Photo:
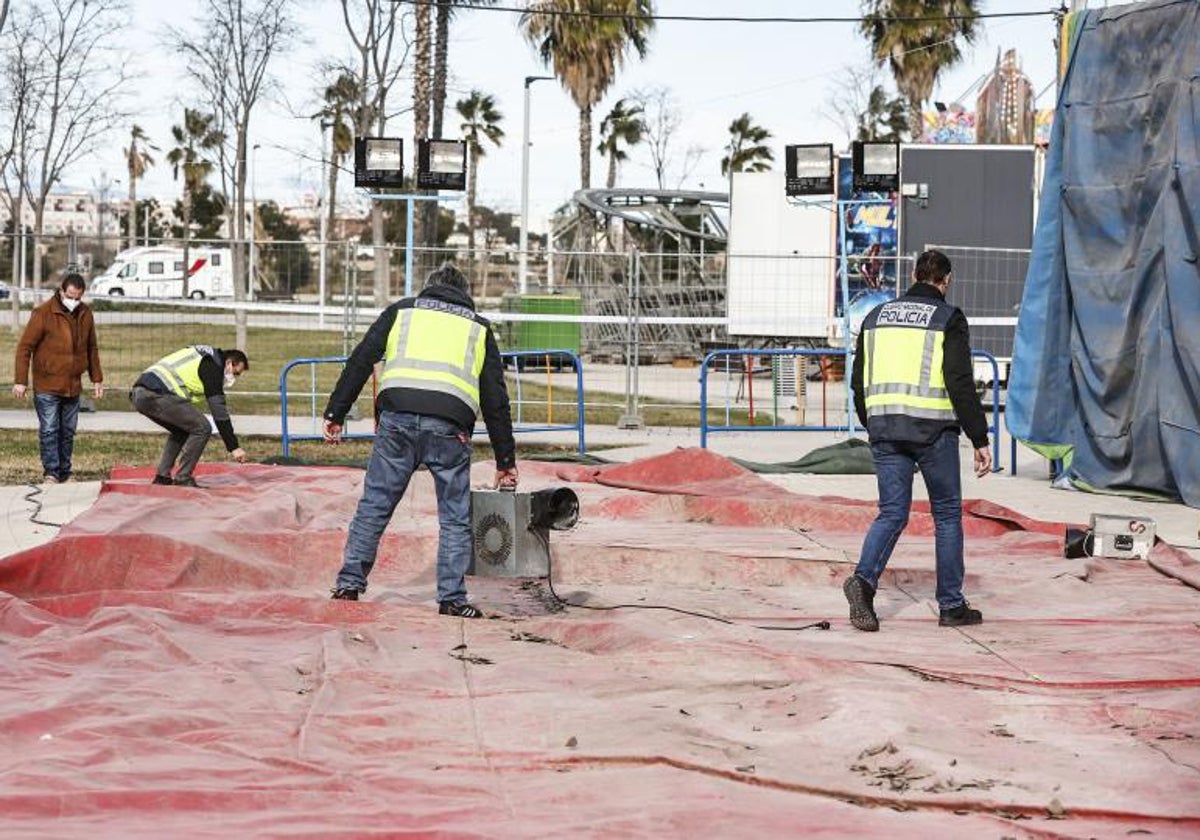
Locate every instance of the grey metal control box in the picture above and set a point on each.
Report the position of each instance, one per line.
(1122, 536)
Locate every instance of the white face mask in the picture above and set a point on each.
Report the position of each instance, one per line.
(229, 379)
(69, 303)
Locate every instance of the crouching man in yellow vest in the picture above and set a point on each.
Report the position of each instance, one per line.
(168, 393)
(441, 368)
(914, 389)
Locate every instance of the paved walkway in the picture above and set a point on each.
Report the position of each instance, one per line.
(1029, 492)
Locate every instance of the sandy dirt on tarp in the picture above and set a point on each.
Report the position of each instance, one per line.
(170, 665)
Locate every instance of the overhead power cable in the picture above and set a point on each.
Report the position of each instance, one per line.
(727, 18)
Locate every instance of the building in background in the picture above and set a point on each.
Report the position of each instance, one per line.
(73, 211)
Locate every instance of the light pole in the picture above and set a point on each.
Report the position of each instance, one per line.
(253, 216)
(523, 256)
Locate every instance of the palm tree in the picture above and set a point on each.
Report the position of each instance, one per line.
(585, 53)
(623, 125)
(918, 50)
(425, 213)
(137, 160)
(193, 140)
(441, 54)
(342, 101)
(481, 120)
(746, 151)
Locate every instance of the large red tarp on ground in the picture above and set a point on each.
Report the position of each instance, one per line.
(170, 666)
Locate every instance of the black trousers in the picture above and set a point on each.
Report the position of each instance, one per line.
(188, 429)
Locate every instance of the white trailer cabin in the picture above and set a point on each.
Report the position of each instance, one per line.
(157, 272)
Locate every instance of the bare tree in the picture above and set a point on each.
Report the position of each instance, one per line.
(661, 118)
(860, 107)
(381, 49)
(230, 62)
(20, 101)
(74, 94)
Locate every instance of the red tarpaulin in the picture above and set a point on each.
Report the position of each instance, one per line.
(170, 665)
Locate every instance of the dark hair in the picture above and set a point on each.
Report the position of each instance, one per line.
(237, 357)
(932, 267)
(74, 280)
(447, 275)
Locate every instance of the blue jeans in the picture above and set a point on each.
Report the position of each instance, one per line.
(402, 442)
(939, 465)
(57, 418)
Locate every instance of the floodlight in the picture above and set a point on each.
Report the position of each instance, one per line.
(378, 162)
(809, 169)
(876, 166)
(441, 165)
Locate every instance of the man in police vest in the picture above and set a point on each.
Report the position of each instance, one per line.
(441, 368)
(168, 393)
(914, 389)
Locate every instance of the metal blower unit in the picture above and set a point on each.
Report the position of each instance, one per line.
(511, 530)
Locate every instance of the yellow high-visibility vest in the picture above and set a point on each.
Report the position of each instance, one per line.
(903, 345)
(436, 346)
(180, 371)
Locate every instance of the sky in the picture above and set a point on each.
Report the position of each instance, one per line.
(782, 74)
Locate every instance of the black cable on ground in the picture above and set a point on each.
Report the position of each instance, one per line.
(819, 625)
(33, 497)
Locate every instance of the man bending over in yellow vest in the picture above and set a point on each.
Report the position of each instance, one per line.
(168, 391)
(441, 368)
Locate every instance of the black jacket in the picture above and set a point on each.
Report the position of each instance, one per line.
(957, 369)
(493, 393)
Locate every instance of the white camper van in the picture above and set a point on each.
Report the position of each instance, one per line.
(157, 272)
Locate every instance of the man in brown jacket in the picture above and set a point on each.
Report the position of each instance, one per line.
(60, 339)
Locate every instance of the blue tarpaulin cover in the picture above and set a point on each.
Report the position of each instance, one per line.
(1107, 353)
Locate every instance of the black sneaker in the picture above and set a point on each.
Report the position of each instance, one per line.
(460, 609)
(344, 594)
(185, 482)
(861, 596)
(162, 479)
(960, 616)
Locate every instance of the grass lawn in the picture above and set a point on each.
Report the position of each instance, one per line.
(128, 349)
(96, 453)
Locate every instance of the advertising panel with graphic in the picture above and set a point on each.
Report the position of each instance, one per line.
(869, 225)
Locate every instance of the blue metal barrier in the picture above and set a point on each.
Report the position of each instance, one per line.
(706, 427)
(848, 426)
(547, 355)
(285, 431)
(995, 427)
